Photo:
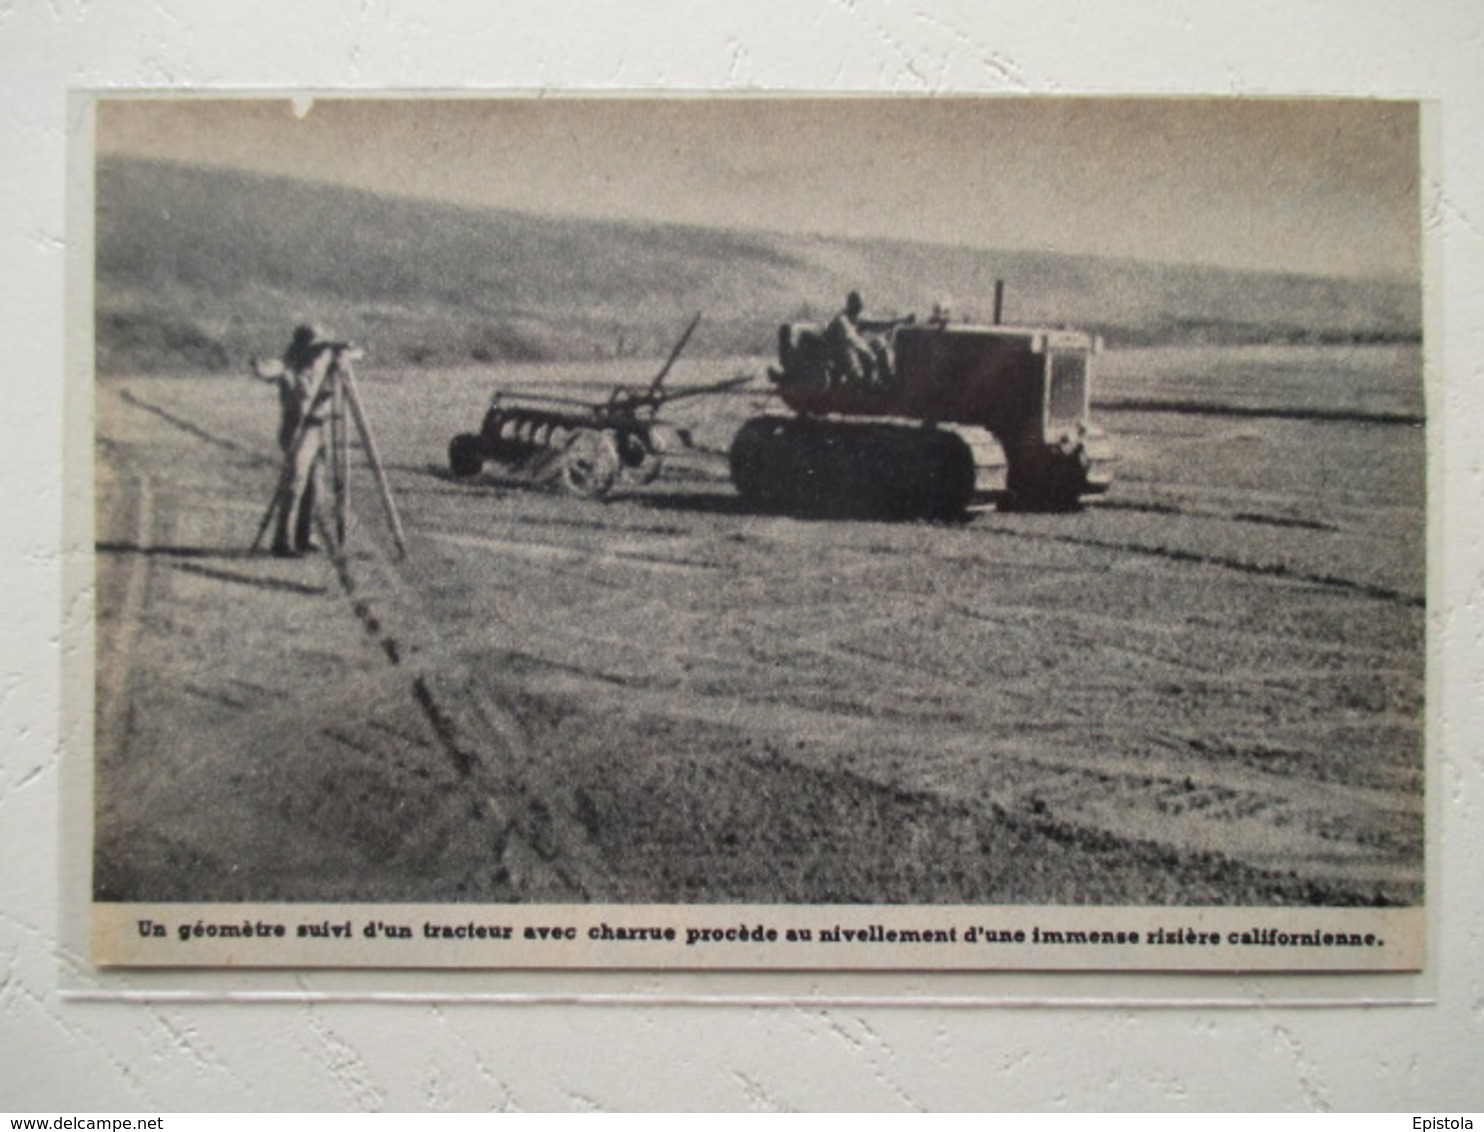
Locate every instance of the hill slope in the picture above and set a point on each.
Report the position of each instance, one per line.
(197, 268)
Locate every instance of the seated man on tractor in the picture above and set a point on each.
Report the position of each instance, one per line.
(859, 349)
(850, 351)
(852, 361)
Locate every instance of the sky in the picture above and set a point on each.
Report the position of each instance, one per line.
(1318, 186)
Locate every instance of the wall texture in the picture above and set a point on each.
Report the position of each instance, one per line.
(174, 1055)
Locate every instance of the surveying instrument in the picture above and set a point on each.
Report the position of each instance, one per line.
(330, 402)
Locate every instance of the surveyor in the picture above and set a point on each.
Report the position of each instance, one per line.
(304, 396)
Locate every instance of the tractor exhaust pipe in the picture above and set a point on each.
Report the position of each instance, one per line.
(999, 300)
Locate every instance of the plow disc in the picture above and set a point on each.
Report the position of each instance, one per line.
(569, 452)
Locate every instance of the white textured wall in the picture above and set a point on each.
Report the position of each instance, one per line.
(118, 1056)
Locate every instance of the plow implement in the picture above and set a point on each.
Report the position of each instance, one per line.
(579, 447)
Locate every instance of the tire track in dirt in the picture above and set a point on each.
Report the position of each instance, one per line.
(533, 853)
(553, 864)
(256, 455)
(1026, 617)
(767, 826)
(542, 853)
(1255, 810)
(1235, 517)
(646, 774)
(113, 677)
(1354, 834)
(1197, 408)
(1258, 569)
(611, 553)
(282, 585)
(1094, 800)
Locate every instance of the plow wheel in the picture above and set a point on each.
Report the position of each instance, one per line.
(590, 464)
(641, 463)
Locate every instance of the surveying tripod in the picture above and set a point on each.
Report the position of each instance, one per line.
(335, 387)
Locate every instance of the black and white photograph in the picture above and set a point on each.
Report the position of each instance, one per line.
(932, 533)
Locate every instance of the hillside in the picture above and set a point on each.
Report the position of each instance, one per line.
(198, 268)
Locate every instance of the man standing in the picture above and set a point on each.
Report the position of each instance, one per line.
(304, 400)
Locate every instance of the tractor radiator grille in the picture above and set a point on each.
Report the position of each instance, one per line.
(1067, 398)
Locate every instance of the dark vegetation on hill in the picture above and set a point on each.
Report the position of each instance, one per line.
(199, 268)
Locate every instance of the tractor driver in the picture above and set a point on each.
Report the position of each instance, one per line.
(855, 359)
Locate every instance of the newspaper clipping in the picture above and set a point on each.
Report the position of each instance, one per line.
(932, 534)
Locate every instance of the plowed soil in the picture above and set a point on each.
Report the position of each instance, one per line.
(1204, 688)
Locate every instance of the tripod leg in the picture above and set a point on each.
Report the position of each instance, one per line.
(364, 425)
(339, 464)
(273, 507)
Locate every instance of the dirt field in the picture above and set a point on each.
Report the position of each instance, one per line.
(1205, 688)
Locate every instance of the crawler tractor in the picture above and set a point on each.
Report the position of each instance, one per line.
(951, 415)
